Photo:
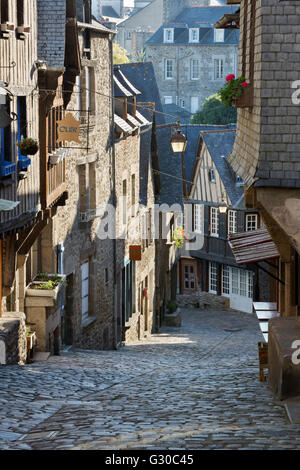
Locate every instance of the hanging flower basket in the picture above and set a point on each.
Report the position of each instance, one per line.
(28, 146)
(178, 237)
(233, 90)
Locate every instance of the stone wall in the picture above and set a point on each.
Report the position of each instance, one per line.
(203, 300)
(185, 88)
(13, 343)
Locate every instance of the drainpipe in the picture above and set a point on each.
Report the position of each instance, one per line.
(114, 201)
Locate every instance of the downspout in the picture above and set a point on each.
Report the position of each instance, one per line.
(114, 198)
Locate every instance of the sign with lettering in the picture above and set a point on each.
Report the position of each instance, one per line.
(68, 129)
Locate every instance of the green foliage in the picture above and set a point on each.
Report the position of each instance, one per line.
(120, 54)
(232, 89)
(215, 112)
(178, 237)
(28, 146)
(172, 306)
(139, 57)
(49, 282)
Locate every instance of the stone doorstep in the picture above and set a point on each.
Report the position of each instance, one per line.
(292, 408)
(41, 356)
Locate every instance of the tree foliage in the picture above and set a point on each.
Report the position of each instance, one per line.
(120, 54)
(214, 112)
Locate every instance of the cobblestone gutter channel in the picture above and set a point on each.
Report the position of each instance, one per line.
(187, 388)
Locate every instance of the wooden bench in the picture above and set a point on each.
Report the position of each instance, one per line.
(264, 311)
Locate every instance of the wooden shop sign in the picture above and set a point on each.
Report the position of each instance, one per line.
(135, 252)
(68, 129)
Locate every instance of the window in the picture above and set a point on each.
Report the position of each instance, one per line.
(197, 218)
(91, 89)
(169, 69)
(232, 221)
(7, 167)
(124, 204)
(182, 103)
(211, 175)
(225, 280)
(4, 12)
(168, 99)
(219, 35)
(243, 283)
(250, 284)
(85, 291)
(194, 104)
(133, 195)
(23, 161)
(214, 222)
(194, 35)
(251, 222)
(219, 68)
(169, 35)
(20, 12)
(129, 35)
(194, 69)
(235, 281)
(213, 277)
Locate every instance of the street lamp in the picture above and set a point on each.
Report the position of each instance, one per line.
(178, 141)
(223, 207)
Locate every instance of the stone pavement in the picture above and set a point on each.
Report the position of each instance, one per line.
(194, 387)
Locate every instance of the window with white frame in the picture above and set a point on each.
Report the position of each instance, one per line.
(235, 285)
(243, 283)
(232, 221)
(182, 103)
(194, 69)
(214, 222)
(213, 277)
(194, 35)
(225, 280)
(218, 68)
(169, 66)
(84, 291)
(197, 218)
(251, 222)
(168, 35)
(219, 35)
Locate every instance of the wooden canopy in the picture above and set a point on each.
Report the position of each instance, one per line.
(253, 246)
(229, 21)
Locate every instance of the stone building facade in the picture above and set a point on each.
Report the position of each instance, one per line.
(266, 154)
(191, 61)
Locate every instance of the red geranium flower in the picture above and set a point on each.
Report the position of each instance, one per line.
(245, 84)
(230, 77)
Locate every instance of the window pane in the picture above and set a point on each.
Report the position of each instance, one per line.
(235, 281)
(226, 280)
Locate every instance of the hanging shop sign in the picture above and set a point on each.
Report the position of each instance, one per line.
(135, 252)
(68, 129)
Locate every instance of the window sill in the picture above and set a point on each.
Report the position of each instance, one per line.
(88, 321)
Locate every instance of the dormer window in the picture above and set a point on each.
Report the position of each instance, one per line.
(239, 181)
(168, 35)
(219, 35)
(194, 35)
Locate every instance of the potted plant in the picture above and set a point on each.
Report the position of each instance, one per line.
(172, 307)
(178, 237)
(28, 146)
(233, 90)
(46, 285)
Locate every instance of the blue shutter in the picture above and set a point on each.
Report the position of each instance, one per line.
(6, 167)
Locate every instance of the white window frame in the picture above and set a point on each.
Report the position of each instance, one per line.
(218, 68)
(168, 35)
(219, 35)
(213, 277)
(182, 103)
(237, 281)
(214, 222)
(226, 286)
(167, 69)
(251, 222)
(232, 221)
(195, 76)
(192, 32)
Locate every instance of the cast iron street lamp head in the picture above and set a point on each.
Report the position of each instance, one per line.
(178, 141)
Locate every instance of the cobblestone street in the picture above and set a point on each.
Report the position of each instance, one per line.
(194, 387)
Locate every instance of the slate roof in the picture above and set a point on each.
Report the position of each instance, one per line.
(142, 77)
(192, 133)
(197, 17)
(109, 12)
(183, 115)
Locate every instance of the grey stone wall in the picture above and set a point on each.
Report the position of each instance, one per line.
(181, 86)
(13, 343)
(51, 32)
(203, 300)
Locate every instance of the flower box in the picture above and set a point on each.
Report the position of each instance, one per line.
(42, 288)
(245, 100)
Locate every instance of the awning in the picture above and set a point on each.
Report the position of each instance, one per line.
(142, 119)
(121, 124)
(6, 205)
(133, 121)
(253, 246)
